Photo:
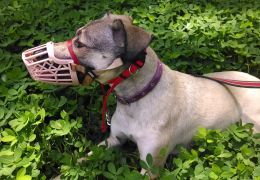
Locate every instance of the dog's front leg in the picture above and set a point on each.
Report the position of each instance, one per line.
(114, 140)
(158, 148)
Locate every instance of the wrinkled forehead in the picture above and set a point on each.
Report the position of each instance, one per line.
(96, 32)
(98, 26)
(104, 23)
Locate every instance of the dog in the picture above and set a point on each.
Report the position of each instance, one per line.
(175, 107)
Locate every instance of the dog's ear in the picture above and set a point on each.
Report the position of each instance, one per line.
(119, 34)
(126, 19)
(107, 14)
(137, 40)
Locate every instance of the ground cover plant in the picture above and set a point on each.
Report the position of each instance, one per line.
(44, 129)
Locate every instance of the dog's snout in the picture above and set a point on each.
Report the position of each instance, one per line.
(61, 51)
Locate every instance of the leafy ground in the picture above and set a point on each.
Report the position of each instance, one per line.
(44, 129)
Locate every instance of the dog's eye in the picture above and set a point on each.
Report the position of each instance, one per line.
(78, 44)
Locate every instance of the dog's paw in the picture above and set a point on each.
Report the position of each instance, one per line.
(80, 160)
(56, 178)
(90, 153)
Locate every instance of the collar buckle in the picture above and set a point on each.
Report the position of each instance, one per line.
(133, 73)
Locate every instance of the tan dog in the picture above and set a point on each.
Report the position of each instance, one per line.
(180, 103)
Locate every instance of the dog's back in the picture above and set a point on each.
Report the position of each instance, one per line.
(248, 98)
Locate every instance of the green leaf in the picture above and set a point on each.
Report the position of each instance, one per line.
(6, 153)
(21, 172)
(256, 135)
(63, 100)
(19, 123)
(215, 168)
(151, 18)
(40, 114)
(2, 112)
(178, 162)
(120, 170)
(25, 177)
(32, 137)
(78, 144)
(111, 168)
(12, 92)
(228, 172)
(154, 170)
(63, 114)
(57, 124)
(198, 169)
(210, 141)
(108, 175)
(241, 134)
(201, 149)
(60, 127)
(213, 175)
(35, 173)
(149, 160)
(7, 171)
(225, 155)
(202, 132)
(256, 171)
(8, 138)
(21, 175)
(17, 154)
(144, 165)
(24, 162)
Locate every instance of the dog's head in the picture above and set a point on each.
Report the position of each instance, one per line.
(100, 42)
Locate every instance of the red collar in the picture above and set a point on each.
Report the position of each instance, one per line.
(113, 83)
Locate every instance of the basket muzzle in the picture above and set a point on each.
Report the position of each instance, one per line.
(44, 66)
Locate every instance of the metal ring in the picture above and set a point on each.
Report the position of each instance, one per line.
(108, 119)
(129, 69)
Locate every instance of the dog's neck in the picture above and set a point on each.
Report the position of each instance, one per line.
(137, 82)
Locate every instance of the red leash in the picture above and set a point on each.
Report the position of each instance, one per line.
(113, 83)
(104, 106)
(236, 83)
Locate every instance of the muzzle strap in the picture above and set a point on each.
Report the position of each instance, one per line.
(71, 51)
(76, 60)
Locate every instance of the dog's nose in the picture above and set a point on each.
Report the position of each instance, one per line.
(61, 50)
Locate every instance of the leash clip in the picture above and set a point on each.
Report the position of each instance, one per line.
(108, 119)
(133, 73)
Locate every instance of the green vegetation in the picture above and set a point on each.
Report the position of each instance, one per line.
(232, 154)
(44, 129)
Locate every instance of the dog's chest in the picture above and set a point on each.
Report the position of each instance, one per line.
(131, 125)
(138, 122)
